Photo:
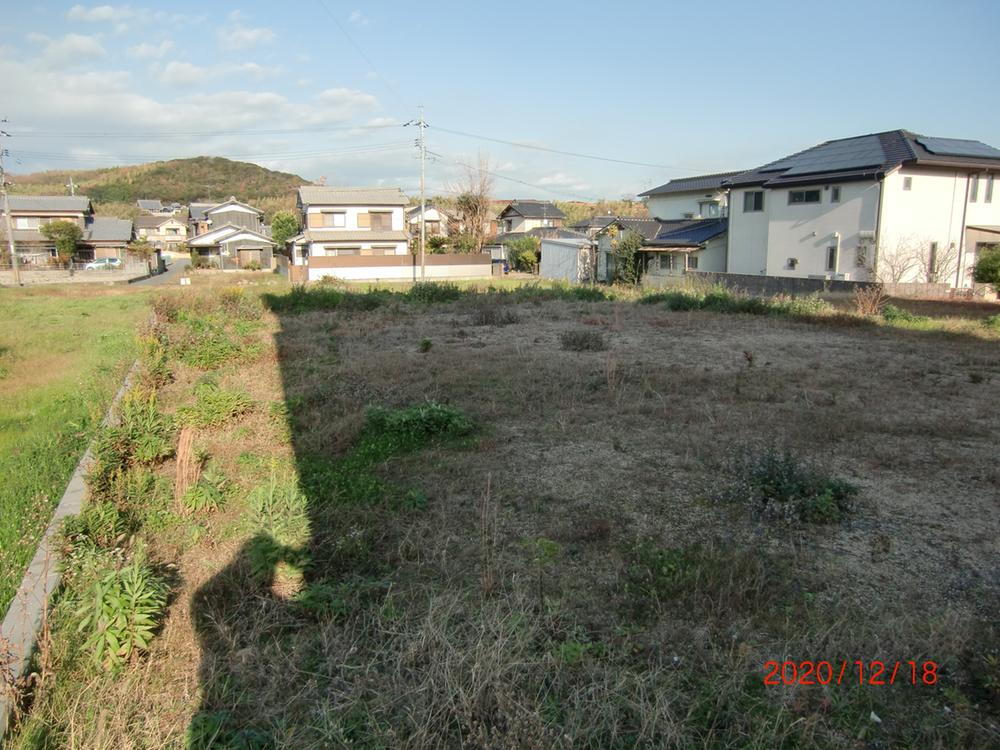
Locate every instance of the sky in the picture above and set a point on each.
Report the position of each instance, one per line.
(322, 88)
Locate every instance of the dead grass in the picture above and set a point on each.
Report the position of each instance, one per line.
(566, 579)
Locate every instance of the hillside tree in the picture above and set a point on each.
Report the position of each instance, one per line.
(65, 235)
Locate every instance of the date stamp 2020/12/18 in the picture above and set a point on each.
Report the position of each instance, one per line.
(846, 671)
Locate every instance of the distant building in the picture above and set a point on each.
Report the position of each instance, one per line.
(163, 232)
(701, 197)
(438, 222)
(102, 237)
(156, 207)
(522, 216)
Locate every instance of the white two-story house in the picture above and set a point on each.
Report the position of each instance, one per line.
(523, 216)
(345, 227)
(701, 197)
(892, 206)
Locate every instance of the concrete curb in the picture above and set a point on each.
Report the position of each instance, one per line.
(28, 609)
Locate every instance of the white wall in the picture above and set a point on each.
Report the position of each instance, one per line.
(932, 211)
(351, 219)
(403, 273)
(677, 205)
(713, 257)
(805, 231)
(319, 249)
(747, 235)
(560, 260)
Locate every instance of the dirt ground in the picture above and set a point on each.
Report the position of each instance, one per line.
(581, 458)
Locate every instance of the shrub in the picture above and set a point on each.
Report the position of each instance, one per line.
(987, 268)
(252, 266)
(431, 291)
(993, 321)
(893, 314)
(523, 253)
(583, 341)
(236, 303)
(425, 345)
(209, 493)
(869, 299)
(100, 524)
(807, 306)
(143, 436)
(121, 613)
(493, 315)
(214, 406)
(326, 297)
(779, 484)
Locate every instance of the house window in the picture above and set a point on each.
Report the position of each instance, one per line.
(709, 209)
(793, 263)
(340, 251)
(835, 194)
(932, 261)
(831, 258)
(172, 230)
(861, 256)
(803, 196)
(27, 222)
(753, 200)
(380, 221)
(666, 262)
(907, 183)
(973, 188)
(988, 197)
(692, 262)
(337, 219)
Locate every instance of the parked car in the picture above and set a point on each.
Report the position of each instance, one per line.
(103, 264)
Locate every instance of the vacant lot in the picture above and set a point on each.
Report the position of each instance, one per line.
(63, 353)
(547, 523)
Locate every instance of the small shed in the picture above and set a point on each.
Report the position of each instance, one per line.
(567, 259)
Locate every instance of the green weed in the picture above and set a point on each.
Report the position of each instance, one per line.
(214, 406)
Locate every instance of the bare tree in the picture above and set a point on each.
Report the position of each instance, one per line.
(899, 262)
(473, 202)
(938, 264)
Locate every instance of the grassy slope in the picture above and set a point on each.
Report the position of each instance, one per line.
(62, 356)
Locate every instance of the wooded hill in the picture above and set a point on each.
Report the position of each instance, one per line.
(202, 178)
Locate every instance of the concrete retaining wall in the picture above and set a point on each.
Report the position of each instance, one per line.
(768, 286)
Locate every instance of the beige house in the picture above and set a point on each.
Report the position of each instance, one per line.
(165, 233)
(523, 216)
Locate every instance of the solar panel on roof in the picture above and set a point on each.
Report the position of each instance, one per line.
(829, 157)
(958, 147)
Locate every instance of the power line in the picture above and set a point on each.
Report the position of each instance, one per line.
(361, 52)
(567, 153)
(513, 179)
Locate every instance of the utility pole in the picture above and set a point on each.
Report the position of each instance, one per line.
(71, 186)
(6, 213)
(423, 201)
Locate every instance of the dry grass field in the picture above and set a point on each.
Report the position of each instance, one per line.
(533, 521)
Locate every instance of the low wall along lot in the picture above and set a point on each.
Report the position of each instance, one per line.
(401, 267)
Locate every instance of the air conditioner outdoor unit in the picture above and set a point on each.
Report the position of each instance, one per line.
(866, 234)
(842, 276)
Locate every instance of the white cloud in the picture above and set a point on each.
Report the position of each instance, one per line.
(252, 69)
(99, 13)
(346, 101)
(563, 180)
(242, 37)
(182, 74)
(358, 18)
(67, 51)
(147, 51)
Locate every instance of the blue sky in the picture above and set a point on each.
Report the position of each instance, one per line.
(307, 86)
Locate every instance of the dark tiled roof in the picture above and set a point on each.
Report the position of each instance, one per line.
(855, 158)
(598, 222)
(689, 233)
(690, 184)
(107, 229)
(197, 210)
(49, 203)
(648, 228)
(535, 210)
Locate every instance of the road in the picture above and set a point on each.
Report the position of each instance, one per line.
(169, 277)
